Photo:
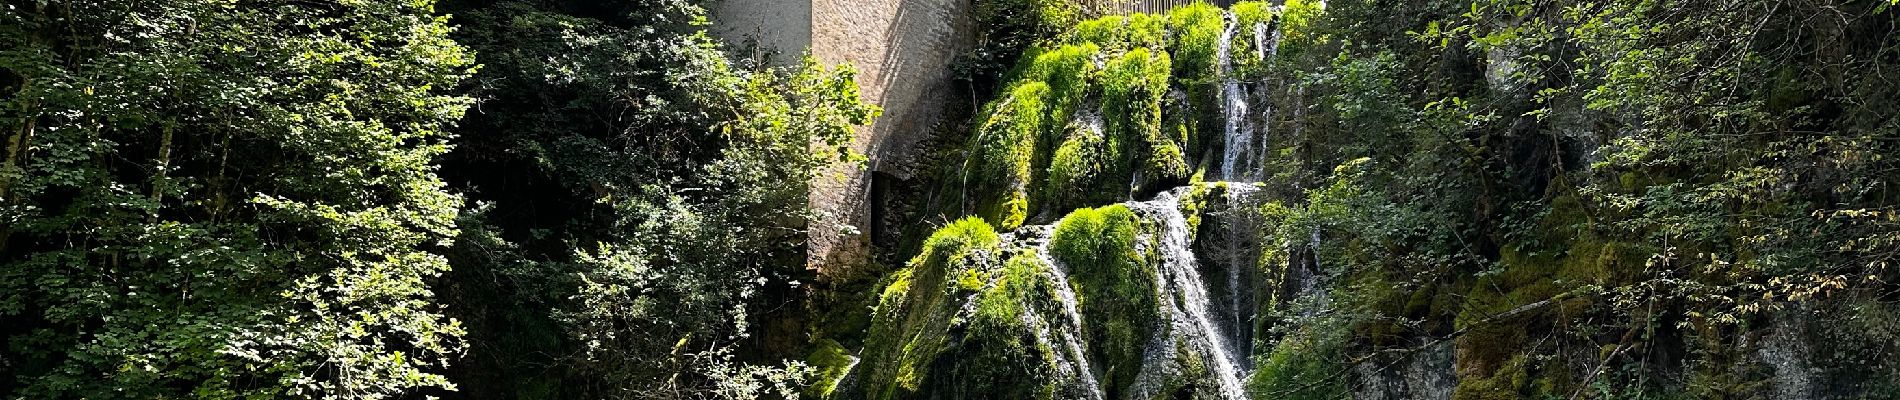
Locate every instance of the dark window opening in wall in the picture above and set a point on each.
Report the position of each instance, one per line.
(880, 195)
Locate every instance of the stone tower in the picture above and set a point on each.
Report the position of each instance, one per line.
(903, 50)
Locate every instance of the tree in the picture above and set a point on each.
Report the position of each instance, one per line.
(640, 201)
(225, 198)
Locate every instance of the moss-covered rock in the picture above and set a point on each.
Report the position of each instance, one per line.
(1195, 32)
(1000, 355)
(1251, 19)
(911, 326)
(957, 323)
(1134, 86)
(1507, 382)
(831, 362)
(1000, 171)
(1069, 70)
(1115, 286)
(1083, 169)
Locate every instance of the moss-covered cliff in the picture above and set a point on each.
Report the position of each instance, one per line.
(1470, 200)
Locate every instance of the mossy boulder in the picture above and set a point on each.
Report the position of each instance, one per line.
(1115, 285)
(1134, 86)
(1009, 346)
(911, 326)
(1000, 171)
(831, 362)
(1083, 169)
(957, 323)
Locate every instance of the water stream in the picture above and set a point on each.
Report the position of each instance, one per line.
(1238, 134)
(1185, 303)
(1244, 134)
(1037, 238)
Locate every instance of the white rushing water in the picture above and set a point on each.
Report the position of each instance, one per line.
(1236, 132)
(1244, 136)
(1185, 303)
(1238, 261)
(1037, 239)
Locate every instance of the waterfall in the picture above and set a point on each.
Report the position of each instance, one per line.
(1267, 41)
(1036, 238)
(1238, 134)
(1184, 300)
(1244, 148)
(1238, 261)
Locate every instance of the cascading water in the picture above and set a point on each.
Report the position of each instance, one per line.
(1238, 134)
(1236, 229)
(1268, 40)
(1185, 302)
(1036, 238)
(1245, 147)
(1203, 308)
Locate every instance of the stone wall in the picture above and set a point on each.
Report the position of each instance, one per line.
(903, 50)
(776, 26)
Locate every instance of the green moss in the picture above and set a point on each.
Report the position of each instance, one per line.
(1000, 356)
(1506, 383)
(910, 326)
(1195, 203)
(1068, 70)
(1114, 284)
(1194, 44)
(1249, 61)
(1001, 163)
(1110, 32)
(1080, 172)
(832, 362)
(1197, 29)
(1122, 33)
(1134, 86)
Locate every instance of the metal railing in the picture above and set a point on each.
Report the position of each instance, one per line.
(1118, 7)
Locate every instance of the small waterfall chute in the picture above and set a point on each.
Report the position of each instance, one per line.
(1186, 305)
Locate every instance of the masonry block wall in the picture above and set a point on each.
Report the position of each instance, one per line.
(903, 50)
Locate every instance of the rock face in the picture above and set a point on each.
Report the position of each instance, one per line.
(1108, 303)
(902, 49)
(1195, 263)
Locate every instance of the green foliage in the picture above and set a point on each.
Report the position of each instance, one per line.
(1298, 17)
(1115, 286)
(910, 327)
(1134, 85)
(646, 202)
(1304, 365)
(1001, 169)
(220, 199)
